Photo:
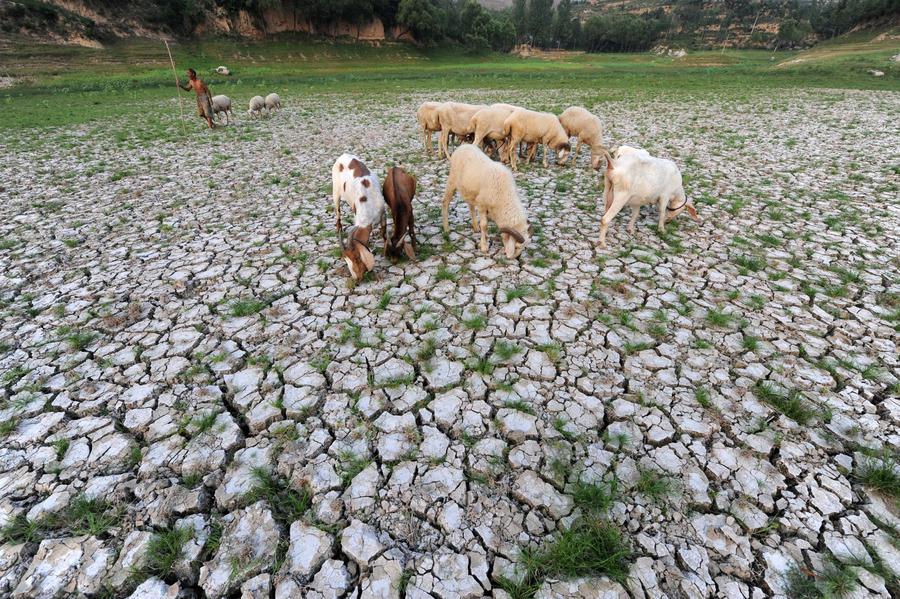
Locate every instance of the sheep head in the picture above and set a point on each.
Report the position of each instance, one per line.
(679, 207)
(356, 252)
(562, 152)
(514, 241)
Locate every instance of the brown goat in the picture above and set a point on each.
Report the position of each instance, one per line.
(398, 190)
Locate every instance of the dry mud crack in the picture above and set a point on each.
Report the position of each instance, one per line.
(182, 360)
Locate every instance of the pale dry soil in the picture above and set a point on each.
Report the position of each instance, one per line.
(174, 319)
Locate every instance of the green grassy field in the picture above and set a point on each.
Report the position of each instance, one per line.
(70, 85)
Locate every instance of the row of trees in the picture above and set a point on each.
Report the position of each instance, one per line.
(540, 24)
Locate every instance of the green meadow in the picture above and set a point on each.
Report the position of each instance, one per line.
(59, 86)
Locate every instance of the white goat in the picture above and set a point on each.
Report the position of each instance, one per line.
(222, 105)
(490, 191)
(429, 122)
(257, 103)
(455, 118)
(353, 182)
(634, 178)
(273, 101)
(537, 128)
(586, 128)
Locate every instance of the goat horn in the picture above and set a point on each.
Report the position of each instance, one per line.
(513, 233)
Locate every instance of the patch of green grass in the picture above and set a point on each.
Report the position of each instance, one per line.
(750, 263)
(21, 530)
(520, 406)
(590, 548)
(351, 465)
(750, 343)
(703, 397)
(7, 426)
(78, 340)
(384, 301)
(790, 403)
(880, 473)
(445, 274)
(164, 549)
(288, 504)
(246, 307)
(476, 322)
(719, 318)
(86, 516)
(653, 485)
(505, 350)
(517, 292)
(61, 446)
(832, 581)
(595, 498)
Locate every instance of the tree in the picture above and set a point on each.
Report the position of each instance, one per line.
(422, 18)
(540, 19)
(520, 18)
(566, 26)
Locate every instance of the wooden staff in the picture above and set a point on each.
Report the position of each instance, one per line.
(177, 86)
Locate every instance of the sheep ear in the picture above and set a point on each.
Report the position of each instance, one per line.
(408, 248)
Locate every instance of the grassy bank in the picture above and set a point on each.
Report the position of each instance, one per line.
(64, 85)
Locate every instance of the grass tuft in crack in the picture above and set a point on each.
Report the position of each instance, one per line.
(790, 403)
(288, 504)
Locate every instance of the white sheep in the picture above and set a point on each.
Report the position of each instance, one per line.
(455, 118)
(487, 124)
(541, 128)
(635, 178)
(257, 104)
(272, 102)
(222, 105)
(429, 122)
(490, 191)
(586, 128)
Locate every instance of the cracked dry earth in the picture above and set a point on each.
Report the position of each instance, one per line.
(176, 325)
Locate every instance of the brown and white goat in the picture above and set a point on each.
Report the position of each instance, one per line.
(399, 189)
(353, 182)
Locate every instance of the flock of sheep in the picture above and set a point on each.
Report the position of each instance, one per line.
(633, 177)
(221, 105)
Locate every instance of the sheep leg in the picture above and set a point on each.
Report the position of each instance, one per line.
(513, 156)
(445, 143)
(663, 204)
(473, 212)
(617, 205)
(577, 149)
(336, 196)
(484, 223)
(546, 149)
(635, 210)
(445, 205)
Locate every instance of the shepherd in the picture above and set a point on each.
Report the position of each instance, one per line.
(204, 97)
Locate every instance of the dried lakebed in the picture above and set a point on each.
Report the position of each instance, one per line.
(194, 400)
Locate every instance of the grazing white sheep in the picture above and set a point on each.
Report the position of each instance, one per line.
(222, 105)
(487, 124)
(272, 102)
(538, 128)
(586, 128)
(490, 191)
(635, 178)
(257, 104)
(455, 118)
(429, 122)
